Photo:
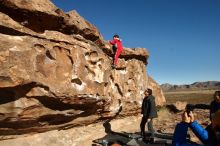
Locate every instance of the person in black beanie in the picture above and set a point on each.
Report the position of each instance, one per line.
(149, 112)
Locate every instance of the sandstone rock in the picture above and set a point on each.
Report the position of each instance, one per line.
(83, 27)
(157, 92)
(56, 71)
(44, 6)
(38, 15)
(41, 15)
(177, 107)
(180, 105)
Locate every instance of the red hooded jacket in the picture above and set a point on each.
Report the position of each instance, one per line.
(117, 43)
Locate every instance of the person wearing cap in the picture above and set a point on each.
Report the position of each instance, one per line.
(149, 112)
(117, 49)
(209, 136)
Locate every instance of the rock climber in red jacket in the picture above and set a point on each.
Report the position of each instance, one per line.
(117, 45)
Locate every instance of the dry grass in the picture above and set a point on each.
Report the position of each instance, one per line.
(193, 97)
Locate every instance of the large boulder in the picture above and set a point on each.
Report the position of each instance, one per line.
(56, 71)
(157, 91)
(41, 15)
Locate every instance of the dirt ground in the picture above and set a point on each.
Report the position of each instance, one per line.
(84, 136)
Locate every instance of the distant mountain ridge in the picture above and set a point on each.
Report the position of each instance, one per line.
(194, 86)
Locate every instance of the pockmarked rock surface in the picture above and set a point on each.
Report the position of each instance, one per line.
(56, 71)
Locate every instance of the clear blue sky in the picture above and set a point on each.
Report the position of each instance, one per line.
(182, 36)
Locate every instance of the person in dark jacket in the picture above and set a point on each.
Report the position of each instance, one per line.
(215, 104)
(149, 112)
(209, 136)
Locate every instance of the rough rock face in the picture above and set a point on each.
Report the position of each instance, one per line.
(41, 15)
(157, 92)
(56, 70)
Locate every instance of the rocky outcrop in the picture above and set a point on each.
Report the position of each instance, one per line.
(157, 92)
(56, 71)
(41, 15)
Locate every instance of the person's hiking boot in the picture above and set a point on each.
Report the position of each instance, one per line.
(151, 139)
(143, 134)
(113, 66)
(144, 139)
(148, 140)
